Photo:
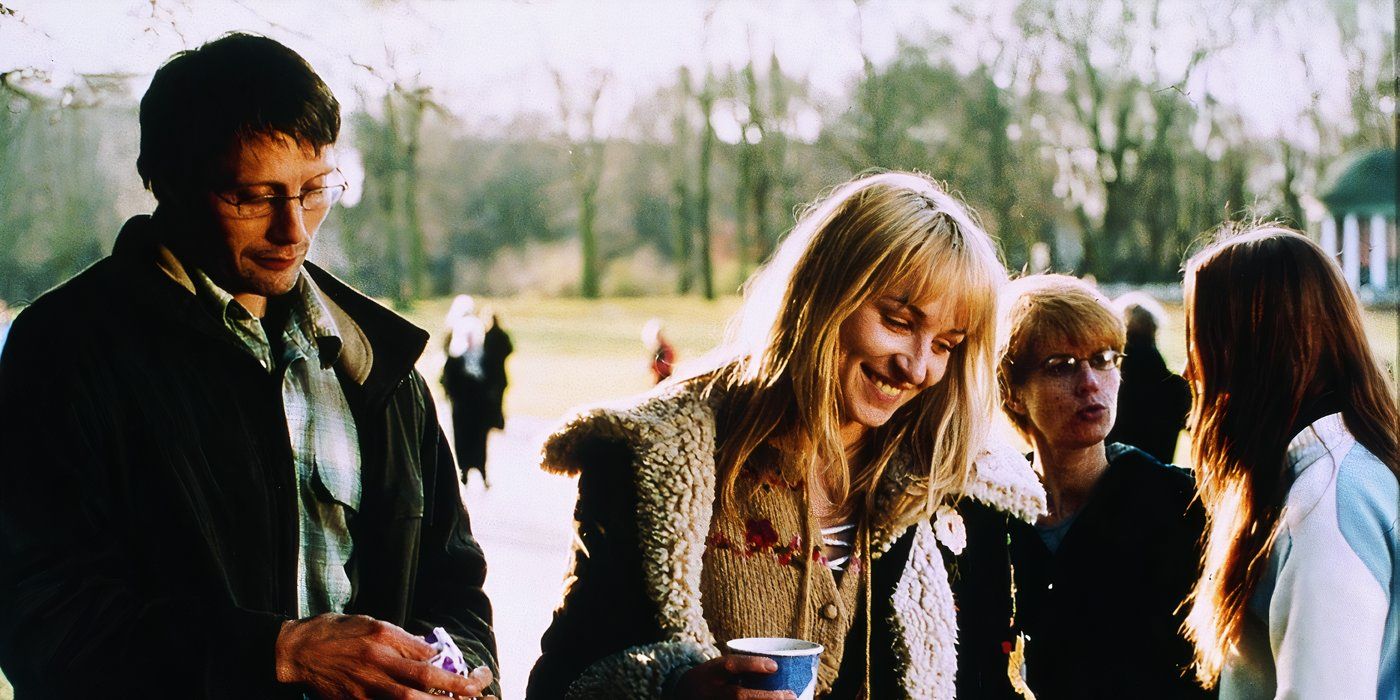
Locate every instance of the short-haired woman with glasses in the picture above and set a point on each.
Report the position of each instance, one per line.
(1099, 578)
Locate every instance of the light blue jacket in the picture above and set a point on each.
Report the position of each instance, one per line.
(1325, 621)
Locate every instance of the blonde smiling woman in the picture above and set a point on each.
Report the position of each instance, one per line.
(808, 481)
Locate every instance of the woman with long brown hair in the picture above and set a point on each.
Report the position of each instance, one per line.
(1295, 442)
(807, 482)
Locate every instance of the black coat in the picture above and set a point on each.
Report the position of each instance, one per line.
(495, 348)
(1152, 402)
(981, 581)
(1102, 612)
(148, 521)
(471, 413)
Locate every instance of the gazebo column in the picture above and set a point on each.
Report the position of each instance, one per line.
(1351, 250)
(1380, 260)
(1328, 238)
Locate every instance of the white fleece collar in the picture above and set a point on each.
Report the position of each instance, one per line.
(1003, 478)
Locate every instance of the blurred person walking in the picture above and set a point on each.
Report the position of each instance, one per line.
(465, 381)
(662, 354)
(1295, 441)
(496, 349)
(1100, 577)
(1152, 401)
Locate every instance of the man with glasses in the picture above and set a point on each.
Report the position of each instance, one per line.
(222, 476)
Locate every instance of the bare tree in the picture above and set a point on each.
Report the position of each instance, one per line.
(682, 201)
(1128, 121)
(394, 170)
(706, 100)
(586, 151)
(764, 107)
(55, 196)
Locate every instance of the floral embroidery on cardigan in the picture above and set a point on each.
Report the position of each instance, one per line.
(760, 536)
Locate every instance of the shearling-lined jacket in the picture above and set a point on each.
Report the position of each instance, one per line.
(633, 620)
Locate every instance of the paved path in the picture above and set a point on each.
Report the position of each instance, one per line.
(525, 524)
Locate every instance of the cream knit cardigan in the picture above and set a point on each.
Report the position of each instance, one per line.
(672, 434)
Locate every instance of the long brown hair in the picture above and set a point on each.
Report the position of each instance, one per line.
(1270, 325)
(778, 365)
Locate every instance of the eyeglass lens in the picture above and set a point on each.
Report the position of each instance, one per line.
(1066, 365)
(311, 200)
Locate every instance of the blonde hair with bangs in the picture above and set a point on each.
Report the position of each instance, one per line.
(1040, 312)
(778, 366)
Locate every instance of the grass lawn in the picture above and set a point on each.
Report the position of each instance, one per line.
(570, 351)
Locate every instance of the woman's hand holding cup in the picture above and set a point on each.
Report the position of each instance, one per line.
(718, 679)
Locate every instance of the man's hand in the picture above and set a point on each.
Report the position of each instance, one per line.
(717, 678)
(353, 656)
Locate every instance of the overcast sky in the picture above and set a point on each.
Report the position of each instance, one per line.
(489, 60)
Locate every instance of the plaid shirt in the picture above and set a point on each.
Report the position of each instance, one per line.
(325, 443)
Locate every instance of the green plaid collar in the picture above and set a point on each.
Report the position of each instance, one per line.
(310, 320)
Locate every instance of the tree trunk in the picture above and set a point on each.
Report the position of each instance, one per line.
(743, 203)
(413, 228)
(702, 218)
(1292, 208)
(391, 201)
(588, 241)
(683, 228)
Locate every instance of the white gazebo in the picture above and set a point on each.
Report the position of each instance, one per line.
(1360, 194)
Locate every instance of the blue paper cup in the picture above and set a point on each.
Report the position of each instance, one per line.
(797, 664)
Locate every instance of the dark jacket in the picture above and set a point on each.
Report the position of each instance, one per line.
(495, 348)
(471, 413)
(981, 579)
(1152, 402)
(148, 527)
(1102, 613)
(632, 619)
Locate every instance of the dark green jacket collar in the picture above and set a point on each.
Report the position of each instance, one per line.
(379, 346)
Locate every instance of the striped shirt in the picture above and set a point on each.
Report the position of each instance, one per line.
(324, 441)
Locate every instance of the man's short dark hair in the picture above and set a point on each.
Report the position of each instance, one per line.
(204, 101)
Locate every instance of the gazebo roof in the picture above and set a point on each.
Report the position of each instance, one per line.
(1362, 183)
